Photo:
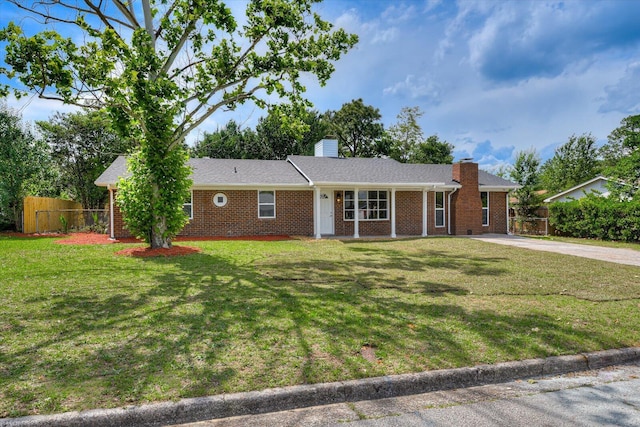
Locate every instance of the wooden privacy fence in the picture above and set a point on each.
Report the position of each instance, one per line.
(42, 214)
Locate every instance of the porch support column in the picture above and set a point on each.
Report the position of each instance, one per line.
(393, 213)
(316, 212)
(112, 221)
(424, 213)
(507, 214)
(356, 215)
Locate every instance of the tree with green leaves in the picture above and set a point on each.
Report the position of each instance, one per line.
(83, 145)
(277, 139)
(574, 162)
(408, 144)
(227, 142)
(406, 134)
(526, 173)
(23, 160)
(161, 68)
(359, 130)
(621, 156)
(433, 151)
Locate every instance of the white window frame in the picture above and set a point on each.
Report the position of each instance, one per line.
(267, 204)
(485, 209)
(190, 205)
(441, 209)
(366, 206)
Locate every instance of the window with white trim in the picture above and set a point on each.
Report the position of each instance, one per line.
(187, 207)
(373, 205)
(439, 208)
(266, 204)
(484, 196)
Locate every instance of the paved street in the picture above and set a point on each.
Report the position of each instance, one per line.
(609, 396)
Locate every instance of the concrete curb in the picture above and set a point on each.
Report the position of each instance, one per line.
(287, 398)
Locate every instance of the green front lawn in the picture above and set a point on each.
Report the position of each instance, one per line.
(83, 328)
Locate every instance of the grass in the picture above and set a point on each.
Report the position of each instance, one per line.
(82, 328)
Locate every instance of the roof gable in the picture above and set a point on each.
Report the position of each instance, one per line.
(578, 191)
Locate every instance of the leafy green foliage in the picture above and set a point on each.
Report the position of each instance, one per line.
(596, 217)
(359, 130)
(163, 179)
(406, 134)
(161, 68)
(622, 156)
(433, 151)
(408, 144)
(82, 146)
(573, 163)
(276, 138)
(525, 172)
(228, 142)
(23, 167)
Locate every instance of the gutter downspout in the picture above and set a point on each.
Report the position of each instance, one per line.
(449, 211)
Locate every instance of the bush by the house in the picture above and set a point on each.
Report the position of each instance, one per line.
(597, 217)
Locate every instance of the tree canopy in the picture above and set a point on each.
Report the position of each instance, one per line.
(621, 155)
(82, 146)
(359, 130)
(407, 143)
(526, 173)
(574, 162)
(23, 162)
(161, 68)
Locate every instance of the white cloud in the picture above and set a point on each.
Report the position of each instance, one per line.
(415, 88)
(623, 96)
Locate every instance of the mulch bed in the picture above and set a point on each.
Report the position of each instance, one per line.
(143, 252)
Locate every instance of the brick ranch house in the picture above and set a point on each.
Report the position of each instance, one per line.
(324, 195)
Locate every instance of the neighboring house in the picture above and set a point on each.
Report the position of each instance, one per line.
(330, 196)
(598, 185)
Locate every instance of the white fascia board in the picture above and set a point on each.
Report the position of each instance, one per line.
(577, 187)
(404, 185)
(253, 186)
(498, 188)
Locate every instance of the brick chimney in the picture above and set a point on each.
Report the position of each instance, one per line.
(466, 206)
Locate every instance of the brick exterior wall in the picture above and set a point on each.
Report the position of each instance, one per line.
(294, 213)
(497, 213)
(239, 217)
(408, 213)
(466, 206)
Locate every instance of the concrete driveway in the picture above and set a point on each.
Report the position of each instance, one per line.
(620, 256)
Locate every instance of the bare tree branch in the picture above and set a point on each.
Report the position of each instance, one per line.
(127, 12)
(148, 21)
(178, 47)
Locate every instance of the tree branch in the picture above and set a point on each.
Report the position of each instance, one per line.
(212, 109)
(178, 47)
(127, 12)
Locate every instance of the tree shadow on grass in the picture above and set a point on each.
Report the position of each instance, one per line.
(206, 324)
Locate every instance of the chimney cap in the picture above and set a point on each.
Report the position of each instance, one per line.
(466, 160)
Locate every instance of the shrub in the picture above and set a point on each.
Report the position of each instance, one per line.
(597, 218)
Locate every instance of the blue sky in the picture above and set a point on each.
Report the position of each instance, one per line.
(492, 77)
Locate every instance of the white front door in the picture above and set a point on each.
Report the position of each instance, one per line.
(326, 212)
